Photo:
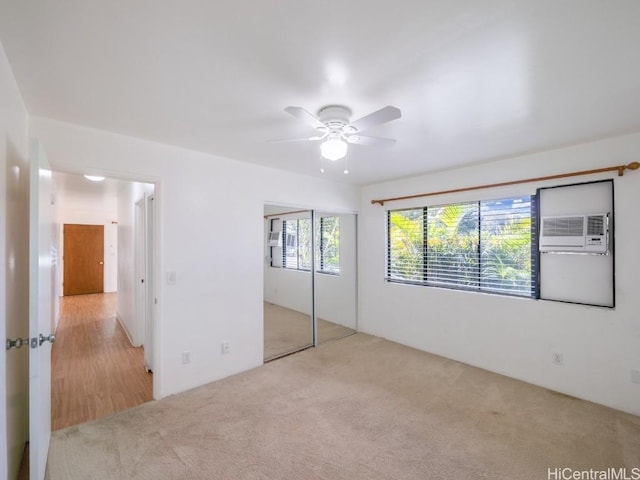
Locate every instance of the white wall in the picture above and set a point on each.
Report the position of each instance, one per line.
(128, 195)
(515, 336)
(111, 256)
(217, 296)
(14, 282)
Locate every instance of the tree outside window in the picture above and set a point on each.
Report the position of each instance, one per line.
(478, 245)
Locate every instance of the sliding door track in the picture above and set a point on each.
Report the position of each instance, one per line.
(282, 355)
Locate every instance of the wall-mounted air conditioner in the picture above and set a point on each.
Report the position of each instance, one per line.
(575, 233)
(274, 239)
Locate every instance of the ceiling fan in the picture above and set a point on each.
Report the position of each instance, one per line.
(334, 127)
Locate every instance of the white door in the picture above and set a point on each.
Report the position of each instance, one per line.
(144, 260)
(41, 318)
(150, 295)
(140, 259)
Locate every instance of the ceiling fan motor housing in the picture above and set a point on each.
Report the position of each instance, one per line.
(333, 125)
(336, 118)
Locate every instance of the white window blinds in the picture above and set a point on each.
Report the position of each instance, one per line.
(485, 246)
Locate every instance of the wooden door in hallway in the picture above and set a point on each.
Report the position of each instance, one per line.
(83, 259)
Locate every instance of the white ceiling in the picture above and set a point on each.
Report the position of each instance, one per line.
(475, 79)
(75, 190)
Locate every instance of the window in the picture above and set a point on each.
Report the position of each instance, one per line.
(487, 246)
(296, 244)
(329, 245)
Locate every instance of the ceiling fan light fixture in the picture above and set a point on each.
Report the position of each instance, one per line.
(333, 148)
(334, 128)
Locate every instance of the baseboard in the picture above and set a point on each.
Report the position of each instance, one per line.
(23, 473)
(126, 331)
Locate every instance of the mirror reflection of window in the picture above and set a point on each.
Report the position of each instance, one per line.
(329, 245)
(335, 275)
(296, 250)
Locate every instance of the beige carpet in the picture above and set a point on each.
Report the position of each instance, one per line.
(357, 408)
(287, 330)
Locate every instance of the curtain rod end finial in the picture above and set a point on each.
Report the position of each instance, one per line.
(633, 165)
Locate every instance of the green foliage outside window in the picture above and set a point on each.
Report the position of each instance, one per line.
(329, 245)
(479, 245)
(297, 244)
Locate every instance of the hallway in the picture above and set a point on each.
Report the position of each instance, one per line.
(95, 370)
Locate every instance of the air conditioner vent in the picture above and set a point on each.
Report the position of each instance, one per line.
(595, 225)
(563, 226)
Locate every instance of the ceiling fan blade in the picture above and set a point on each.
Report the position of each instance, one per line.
(304, 139)
(371, 141)
(301, 114)
(383, 115)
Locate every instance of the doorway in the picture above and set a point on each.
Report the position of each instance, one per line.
(98, 364)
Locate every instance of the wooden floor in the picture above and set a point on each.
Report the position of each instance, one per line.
(95, 370)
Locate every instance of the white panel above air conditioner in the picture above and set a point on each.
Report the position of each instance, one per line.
(575, 233)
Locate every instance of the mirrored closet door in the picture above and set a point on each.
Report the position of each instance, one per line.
(335, 280)
(310, 278)
(288, 300)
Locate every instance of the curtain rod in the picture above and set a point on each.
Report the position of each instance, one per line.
(619, 168)
(285, 213)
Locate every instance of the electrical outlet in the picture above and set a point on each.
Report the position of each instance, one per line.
(635, 376)
(557, 358)
(186, 357)
(226, 348)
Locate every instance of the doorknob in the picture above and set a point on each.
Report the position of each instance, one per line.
(50, 338)
(101, 263)
(18, 342)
